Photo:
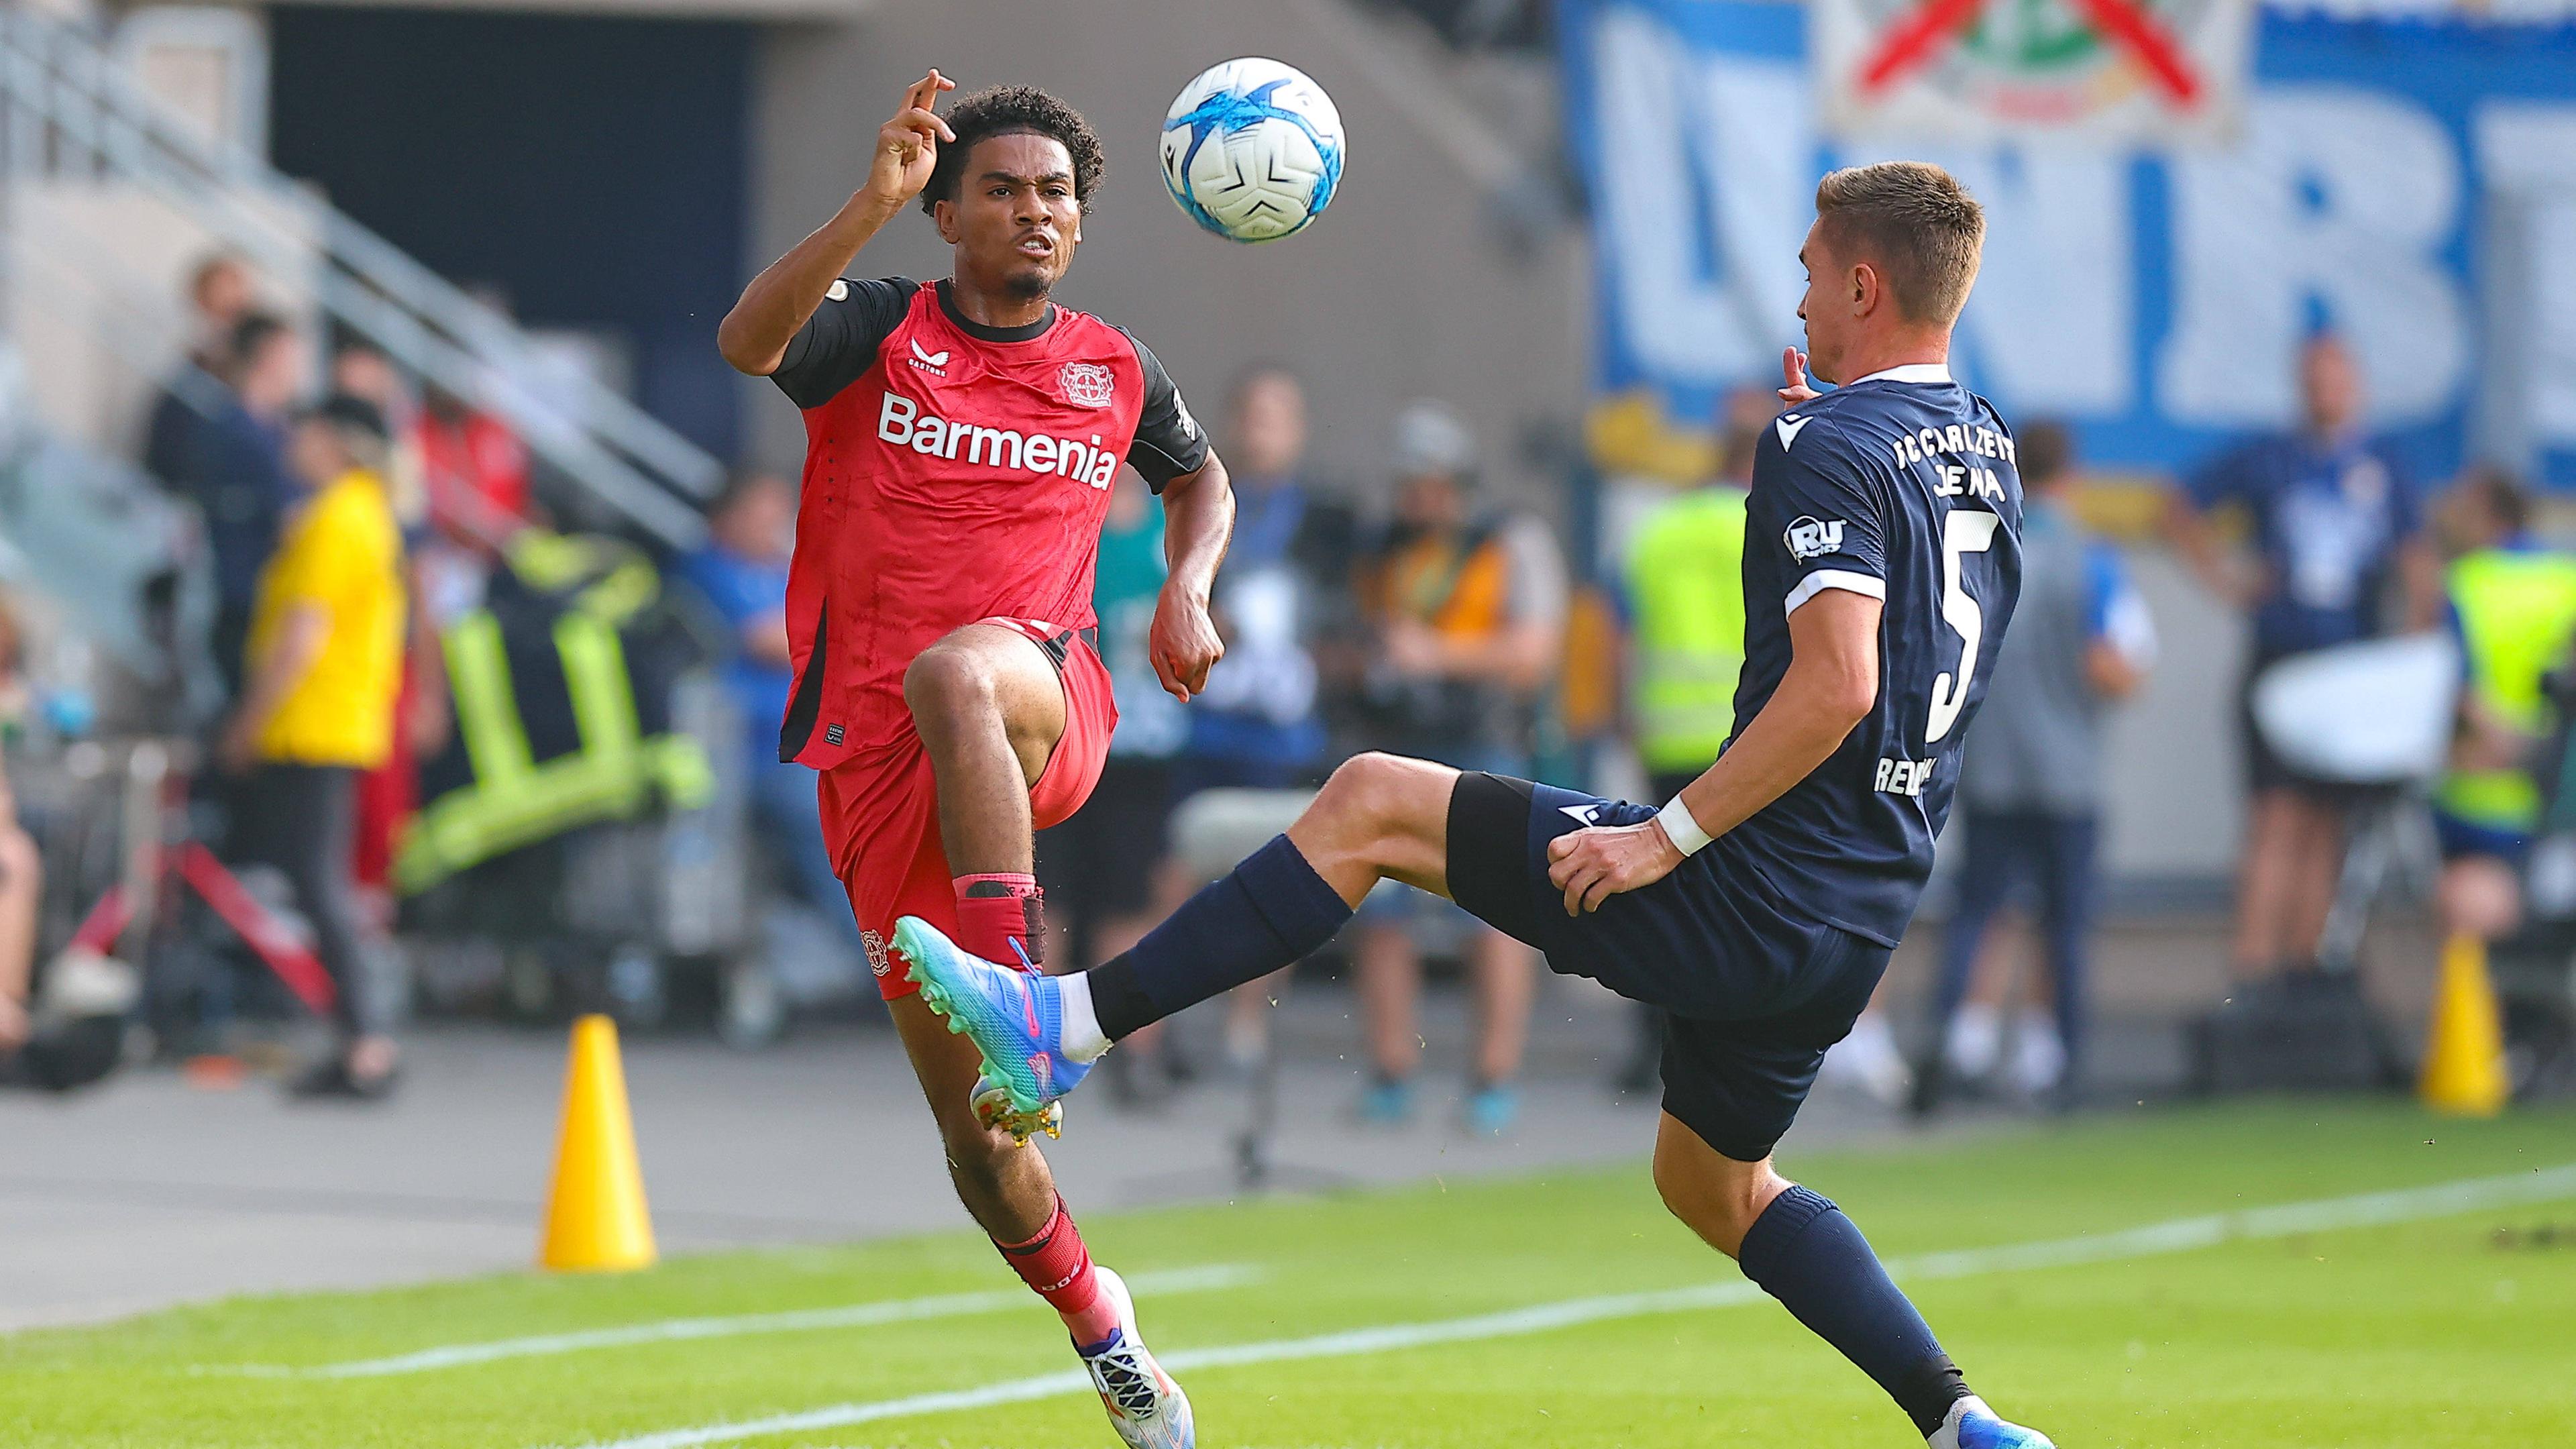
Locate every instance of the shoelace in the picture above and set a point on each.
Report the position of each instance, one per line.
(1123, 1379)
(1041, 1065)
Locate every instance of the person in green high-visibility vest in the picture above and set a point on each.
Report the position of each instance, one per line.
(2512, 607)
(1684, 590)
(1685, 584)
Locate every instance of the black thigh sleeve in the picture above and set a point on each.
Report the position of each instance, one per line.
(1489, 854)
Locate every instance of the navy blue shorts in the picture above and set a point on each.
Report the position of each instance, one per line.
(1755, 995)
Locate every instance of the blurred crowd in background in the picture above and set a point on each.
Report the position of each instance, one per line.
(446, 742)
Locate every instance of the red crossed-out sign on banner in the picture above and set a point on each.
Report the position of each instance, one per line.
(1921, 34)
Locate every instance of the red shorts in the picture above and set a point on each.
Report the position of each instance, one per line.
(881, 807)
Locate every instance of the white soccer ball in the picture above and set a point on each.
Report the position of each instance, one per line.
(1252, 150)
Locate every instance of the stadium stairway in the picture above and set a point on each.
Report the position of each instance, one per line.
(109, 193)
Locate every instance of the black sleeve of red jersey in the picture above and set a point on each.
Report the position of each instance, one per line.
(838, 344)
(1168, 442)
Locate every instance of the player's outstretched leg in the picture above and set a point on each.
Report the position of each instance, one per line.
(1800, 1249)
(1379, 816)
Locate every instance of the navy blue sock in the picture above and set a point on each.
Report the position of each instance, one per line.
(1804, 1252)
(1272, 910)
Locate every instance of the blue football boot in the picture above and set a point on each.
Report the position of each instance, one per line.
(1015, 1018)
(1972, 1425)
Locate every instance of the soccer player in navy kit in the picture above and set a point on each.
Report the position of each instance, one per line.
(1759, 906)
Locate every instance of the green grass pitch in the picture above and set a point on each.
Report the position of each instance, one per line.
(2453, 1326)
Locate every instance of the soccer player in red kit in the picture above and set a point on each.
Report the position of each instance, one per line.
(961, 439)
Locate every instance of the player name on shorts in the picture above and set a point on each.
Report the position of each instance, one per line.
(901, 421)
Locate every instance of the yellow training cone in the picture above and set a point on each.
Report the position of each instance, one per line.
(2464, 1068)
(596, 1220)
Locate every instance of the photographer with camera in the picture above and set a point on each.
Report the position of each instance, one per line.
(1468, 605)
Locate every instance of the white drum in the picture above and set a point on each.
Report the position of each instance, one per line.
(2378, 712)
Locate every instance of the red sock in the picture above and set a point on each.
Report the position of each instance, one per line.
(1057, 1267)
(998, 912)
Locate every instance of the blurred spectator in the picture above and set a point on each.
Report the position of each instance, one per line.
(318, 708)
(361, 369)
(2031, 784)
(21, 887)
(2512, 604)
(1104, 868)
(1287, 568)
(474, 470)
(1685, 594)
(1470, 611)
(1283, 605)
(390, 793)
(21, 868)
(742, 572)
(1686, 603)
(2335, 523)
(220, 294)
(232, 465)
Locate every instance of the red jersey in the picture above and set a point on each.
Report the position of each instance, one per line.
(953, 472)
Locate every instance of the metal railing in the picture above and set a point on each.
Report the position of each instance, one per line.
(69, 114)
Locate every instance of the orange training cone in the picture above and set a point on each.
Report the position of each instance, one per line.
(2464, 1070)
(596, 1220)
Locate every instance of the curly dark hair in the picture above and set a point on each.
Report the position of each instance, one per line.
(1016, 111)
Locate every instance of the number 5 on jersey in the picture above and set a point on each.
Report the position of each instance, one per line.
(1964, 531)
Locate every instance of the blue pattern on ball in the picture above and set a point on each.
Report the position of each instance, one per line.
(1229, 111)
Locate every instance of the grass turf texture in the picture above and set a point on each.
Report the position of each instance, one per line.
(2451, 1331)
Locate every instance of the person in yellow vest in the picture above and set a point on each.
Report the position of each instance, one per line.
(1684, 588)
(321, 672)
(2512, 606)
(1685, 584)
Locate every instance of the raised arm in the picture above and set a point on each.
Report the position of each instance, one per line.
(1830, 686)
(753, 336)
(2188, 531)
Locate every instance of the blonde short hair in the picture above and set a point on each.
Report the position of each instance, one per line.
(1916, 223)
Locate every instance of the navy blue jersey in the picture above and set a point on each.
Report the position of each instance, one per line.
(1900, 486)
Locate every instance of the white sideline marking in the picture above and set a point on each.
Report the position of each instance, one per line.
(2174, 1236)
(668, 1330)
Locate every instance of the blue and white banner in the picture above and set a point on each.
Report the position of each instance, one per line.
(2411, 185)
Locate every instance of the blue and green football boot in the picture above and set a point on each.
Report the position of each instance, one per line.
(1015, 1018)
